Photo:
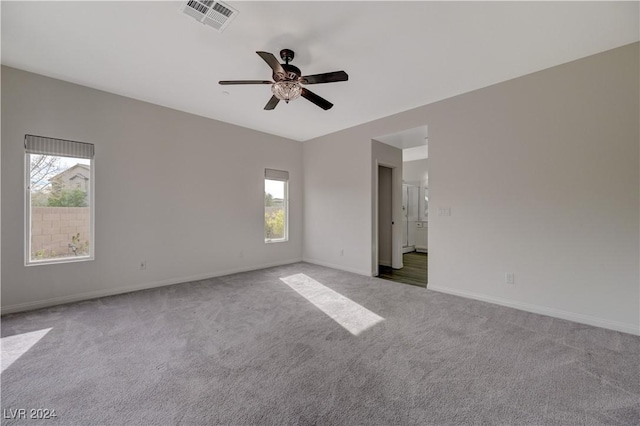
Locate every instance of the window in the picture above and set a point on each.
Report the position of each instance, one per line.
(276, 203)
(59, 200)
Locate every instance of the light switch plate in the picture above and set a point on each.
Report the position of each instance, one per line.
(510, 278)
(444, 211)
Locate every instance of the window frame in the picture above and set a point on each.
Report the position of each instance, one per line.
(27, 215)
(285, 238)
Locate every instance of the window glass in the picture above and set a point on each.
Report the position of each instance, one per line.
(59, 208)
(275, 210)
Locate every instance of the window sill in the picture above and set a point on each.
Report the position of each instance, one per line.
(281, 240)
(58, 261)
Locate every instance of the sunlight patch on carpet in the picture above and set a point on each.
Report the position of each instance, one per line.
(350, 315)
(13, 347)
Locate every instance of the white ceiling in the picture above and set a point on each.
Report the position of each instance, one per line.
(409, 138)
(412, 142)
(416, 153)
(398, 55)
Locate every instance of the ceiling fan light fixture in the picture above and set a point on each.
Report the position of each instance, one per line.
(286, 90)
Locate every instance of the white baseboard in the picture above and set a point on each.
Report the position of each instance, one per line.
(335, 266)
(407, 249)
(542, 310)
(28, 306)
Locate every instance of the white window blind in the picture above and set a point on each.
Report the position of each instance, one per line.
(276, 175)
(49, 146)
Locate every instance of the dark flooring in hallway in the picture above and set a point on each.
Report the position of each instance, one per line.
(414, 271)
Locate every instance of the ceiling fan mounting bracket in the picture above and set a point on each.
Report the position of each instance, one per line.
(287, 55)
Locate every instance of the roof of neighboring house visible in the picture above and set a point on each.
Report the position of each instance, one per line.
(78, 175)
(84, 166)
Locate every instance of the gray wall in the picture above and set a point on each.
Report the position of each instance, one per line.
(542, 177)
(182, 192)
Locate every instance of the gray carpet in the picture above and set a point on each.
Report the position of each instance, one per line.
(251, 349)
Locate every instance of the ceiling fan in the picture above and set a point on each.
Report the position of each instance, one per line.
(288, 80)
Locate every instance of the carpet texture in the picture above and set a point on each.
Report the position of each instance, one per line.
(267, 347)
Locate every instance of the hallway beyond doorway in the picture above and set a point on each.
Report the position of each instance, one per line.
(414, 271)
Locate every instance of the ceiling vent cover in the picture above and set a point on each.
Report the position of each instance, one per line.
(210, 12)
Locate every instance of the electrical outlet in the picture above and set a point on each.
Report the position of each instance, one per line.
(509, 278)
(143, 265)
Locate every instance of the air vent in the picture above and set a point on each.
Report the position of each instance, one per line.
(210, 12)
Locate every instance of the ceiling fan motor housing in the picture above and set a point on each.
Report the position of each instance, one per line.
(292, 73)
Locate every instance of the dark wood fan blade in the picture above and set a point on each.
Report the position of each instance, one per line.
(272, 103)
(328, 77)
(321, 102)
(272, 62)
(226, 82)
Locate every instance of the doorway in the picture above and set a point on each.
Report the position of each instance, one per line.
(413, 217)
(414, 238)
